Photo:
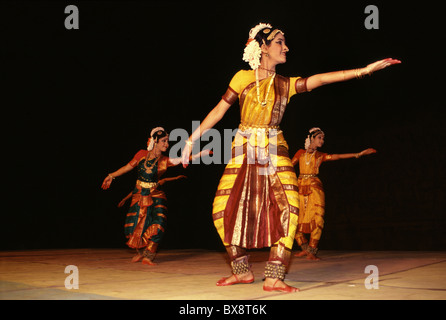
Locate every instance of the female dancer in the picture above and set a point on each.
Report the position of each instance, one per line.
(256, 204)
(311, 192)
(146, 218)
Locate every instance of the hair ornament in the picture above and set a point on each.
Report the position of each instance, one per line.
(307, 142)
(312, 133)
(315, 131)
(252, 54)
(151, 144)
(253, 32)
(151, 139)
(273, 34)
(154, 130)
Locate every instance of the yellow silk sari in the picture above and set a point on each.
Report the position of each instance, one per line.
(311, 195)
(256, 204)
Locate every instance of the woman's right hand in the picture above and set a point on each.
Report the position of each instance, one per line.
(186, 154)
(107, 182)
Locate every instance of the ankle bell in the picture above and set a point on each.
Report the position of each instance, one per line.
(240, 265)
(275, 271)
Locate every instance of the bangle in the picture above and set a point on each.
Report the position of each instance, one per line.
(189, 143)
(358, 74)
(358, 155)
(111, 176)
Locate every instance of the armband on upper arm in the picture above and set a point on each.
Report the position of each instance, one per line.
(301, 85)
(230, 96)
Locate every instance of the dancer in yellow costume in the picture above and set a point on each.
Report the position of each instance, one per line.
(256, 204)
(311, 192)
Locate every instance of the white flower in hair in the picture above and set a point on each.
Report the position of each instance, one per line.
(253, 32)
(252, 54)
(308, 139)
(156, 129)
(307, 142)
(152, 141)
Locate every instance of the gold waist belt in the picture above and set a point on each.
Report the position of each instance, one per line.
(244, 127)
(307, 176)
(146, 185)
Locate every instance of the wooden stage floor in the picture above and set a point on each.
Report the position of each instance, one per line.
(105, 274)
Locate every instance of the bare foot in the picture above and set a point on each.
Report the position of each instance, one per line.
(311, 256)
(148, 262)
(301, 254)
(272, 284)
(234, 279)
(137, 258)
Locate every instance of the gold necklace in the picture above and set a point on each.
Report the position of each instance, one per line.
(307, 162)
(263, 103)
(149, 169)
(269, 71)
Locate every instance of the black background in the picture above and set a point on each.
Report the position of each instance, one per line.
(78, 104)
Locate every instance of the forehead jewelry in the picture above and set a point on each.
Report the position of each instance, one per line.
(273, 34)
(253, 32)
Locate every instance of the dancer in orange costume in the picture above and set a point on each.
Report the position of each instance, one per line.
(147, 216)
(311, 192)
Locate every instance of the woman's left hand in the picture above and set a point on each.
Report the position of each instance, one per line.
(122, 202)
(367, 152)
(381, 64)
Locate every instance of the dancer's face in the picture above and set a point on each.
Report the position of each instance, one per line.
(318, 141)
(277, 49)
(163, 144)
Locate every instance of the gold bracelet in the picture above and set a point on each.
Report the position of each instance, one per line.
(358, 74)
(189, 143)
(113, 178)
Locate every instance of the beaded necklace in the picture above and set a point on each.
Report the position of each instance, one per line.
(149, 168)
(263, 103)
(308, 161)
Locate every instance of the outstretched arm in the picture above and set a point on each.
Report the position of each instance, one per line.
(353, 155)
(211, 120)
(122, 202)
(177, 161)
(108, 180)
(161, 182)
(296, 157)
(321, 79)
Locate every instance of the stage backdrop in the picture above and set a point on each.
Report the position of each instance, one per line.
(79, 100)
